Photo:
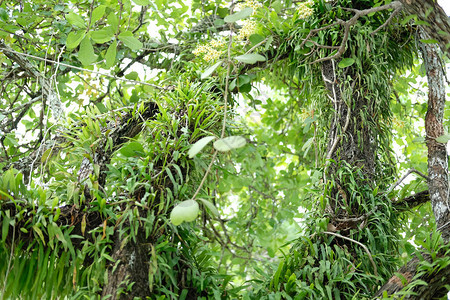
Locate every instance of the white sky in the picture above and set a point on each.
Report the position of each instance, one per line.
(445, 4)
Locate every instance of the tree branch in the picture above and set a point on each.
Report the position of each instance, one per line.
(348, 24)
(437, 24)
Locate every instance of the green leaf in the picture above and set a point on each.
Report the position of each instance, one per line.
(142, 2)
(186, 211)
(132, 75)
(277, 6)
(239, 15)
(268, 43)
(229, 143)
(46, 155)
(430, 41)
(443, 138)
(243, 79)
(113, 20)
(199, 145)
(74, 38)
(219, 22)
(75, 19)
(210, 70)
(346, 62)
(39, 233)
(110, 56)
(102, 36)
(97, 13)
(250, 58)
(132, 149)
(86, 54)
(256, 39)
(210, 206)
(130, 41)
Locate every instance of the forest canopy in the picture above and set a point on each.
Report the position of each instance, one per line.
(173, 149)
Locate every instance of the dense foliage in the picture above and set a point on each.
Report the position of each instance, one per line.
(213, 150)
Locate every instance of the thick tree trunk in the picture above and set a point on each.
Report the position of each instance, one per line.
(437, 184)
(348, 141)
(434, 289)
(128, 278)
(437, 152)
(438, 27)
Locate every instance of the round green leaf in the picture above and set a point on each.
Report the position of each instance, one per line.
(142, 2)
(74, 38)
(239, 15)
(346, 62)
(443, 138)
(250, 58)
(132, 149)
(86, 54)
(186, 211)
(76, 20)
(102, 36)
(229, 143)
(199, 145)
(97, 13)
(130, 41)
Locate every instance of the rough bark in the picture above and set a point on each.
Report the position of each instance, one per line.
(437, 152)
(434, 289)
(348, 142)
(128, 279)
(438, 24)
(437, 184)
(412, 201)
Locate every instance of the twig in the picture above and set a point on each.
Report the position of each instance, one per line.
(86, 70)
(225, 97)
(360, 244)
(27, 104)
(256, 46)
(347, 24)
(396, 11)
(403, 178)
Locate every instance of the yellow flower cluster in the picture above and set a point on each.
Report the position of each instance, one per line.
(217, 43)
(250, 3)
(210, 50)
(248, 28)
(304, 114)
(397, 122)
(304, 9)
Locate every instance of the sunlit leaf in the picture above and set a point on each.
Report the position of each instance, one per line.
(86, 54)
(210, 206)
(239, 15)
(76, 20)
(443, 138)
(229, 143)
(130, 41)
(250, 58)
(110, 56)
(74, 38)
(102, 36)
(97, 13)
(199, 145)
(132, 75)
(210, 70)
(142, 2)
(186, 211)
